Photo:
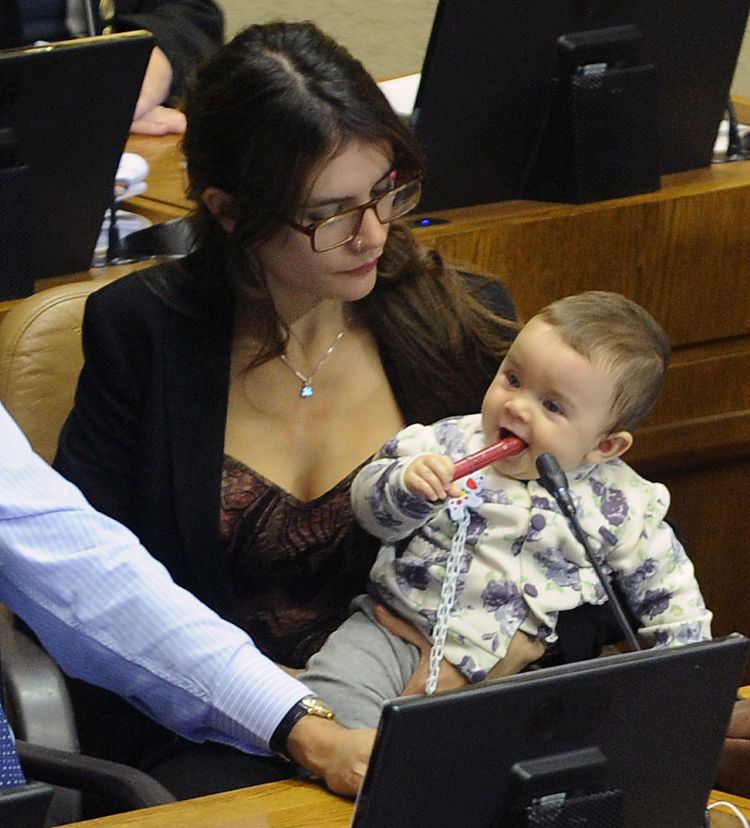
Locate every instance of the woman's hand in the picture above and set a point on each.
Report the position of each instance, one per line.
(449, 677)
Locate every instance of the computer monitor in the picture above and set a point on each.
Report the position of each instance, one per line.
(487, 80)
(68, 106)
(638, 734)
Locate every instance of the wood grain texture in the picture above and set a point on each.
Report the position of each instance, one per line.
(289, 804)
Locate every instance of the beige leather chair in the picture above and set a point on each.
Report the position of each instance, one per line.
(40, 359)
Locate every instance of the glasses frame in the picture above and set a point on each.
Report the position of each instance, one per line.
(311, 229)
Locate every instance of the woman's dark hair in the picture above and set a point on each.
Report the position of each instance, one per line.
(263, 113)
(270, 107)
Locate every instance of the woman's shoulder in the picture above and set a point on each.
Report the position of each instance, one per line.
(176, 286)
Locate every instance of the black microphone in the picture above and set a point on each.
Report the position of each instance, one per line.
(552, 477)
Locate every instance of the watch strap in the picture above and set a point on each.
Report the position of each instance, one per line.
(309, 705)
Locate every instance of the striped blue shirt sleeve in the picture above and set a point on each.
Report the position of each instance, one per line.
(109, 613)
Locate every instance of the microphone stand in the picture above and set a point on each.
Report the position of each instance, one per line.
(552, 477)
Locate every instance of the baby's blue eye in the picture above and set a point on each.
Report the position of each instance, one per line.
(512, 379)
(552, 407)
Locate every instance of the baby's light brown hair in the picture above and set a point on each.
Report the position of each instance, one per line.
(623, 339)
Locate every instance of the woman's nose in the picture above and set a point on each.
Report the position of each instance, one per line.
(372, 232)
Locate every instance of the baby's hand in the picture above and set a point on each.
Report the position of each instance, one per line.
(430, 475)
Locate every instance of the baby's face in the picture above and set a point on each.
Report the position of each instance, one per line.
(550, 396)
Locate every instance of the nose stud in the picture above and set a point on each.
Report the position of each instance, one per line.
(358, 245)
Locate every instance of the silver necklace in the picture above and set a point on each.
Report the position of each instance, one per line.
(307, 389)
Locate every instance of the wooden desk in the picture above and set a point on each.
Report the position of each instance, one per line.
(289, 804)
(682, 252)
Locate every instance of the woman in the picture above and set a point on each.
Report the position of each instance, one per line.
(227, 400)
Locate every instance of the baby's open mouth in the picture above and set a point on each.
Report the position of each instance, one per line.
(506, 434)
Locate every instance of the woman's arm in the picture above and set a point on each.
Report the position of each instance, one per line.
(98, 444)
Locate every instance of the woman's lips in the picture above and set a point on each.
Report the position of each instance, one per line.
(363, 270)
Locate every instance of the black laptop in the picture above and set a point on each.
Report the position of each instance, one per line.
(630, 740)
(69, 106)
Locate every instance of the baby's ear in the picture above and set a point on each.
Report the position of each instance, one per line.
(611, 446)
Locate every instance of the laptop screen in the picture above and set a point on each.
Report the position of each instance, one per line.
(69, 106)
(637, 734)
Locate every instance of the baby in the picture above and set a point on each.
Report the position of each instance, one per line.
(579, 377)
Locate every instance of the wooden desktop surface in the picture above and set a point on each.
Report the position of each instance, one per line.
(290, 804)
(684, 253)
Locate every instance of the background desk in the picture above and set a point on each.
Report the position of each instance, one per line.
(684, 253)
(282, 805)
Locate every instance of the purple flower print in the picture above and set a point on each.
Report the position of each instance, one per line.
(545, 503)
(645, 571)
(607, 536)
(654, 602)
(430, 615)
(613, 504)
(498, 593)
(390, 448)
(557, 568)
(415, 575)
(517, 545)
(688, 632)
(477, 527)
(450, 437)
(469, 668)
(377, 499)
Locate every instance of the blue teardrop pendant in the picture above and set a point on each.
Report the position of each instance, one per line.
(306, 392)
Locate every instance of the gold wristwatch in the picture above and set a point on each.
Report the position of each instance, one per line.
(307, 706)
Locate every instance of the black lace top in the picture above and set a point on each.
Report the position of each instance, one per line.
(283, 557)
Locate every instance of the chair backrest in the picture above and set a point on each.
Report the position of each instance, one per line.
(40, 359)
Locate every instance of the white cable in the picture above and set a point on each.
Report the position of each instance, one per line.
(734, 809)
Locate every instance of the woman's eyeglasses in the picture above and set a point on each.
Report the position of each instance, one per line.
(337, 230)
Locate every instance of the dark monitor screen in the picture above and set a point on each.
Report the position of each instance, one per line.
(638, 734)
(68, 106)
(487, 79)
